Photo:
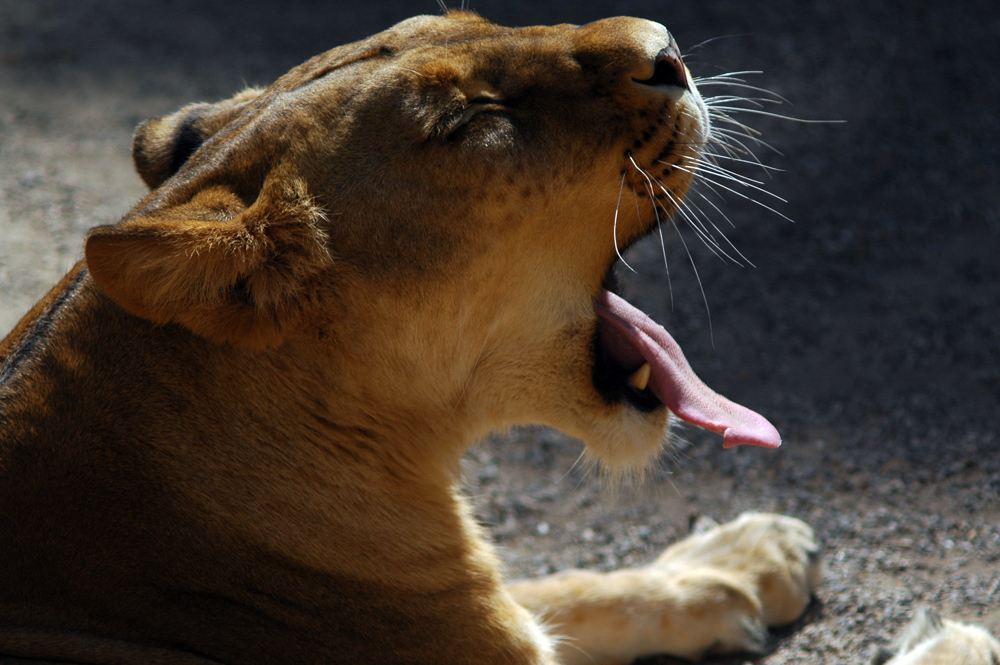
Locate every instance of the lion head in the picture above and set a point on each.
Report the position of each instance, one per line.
(428, 219)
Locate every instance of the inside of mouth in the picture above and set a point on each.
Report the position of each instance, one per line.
(626, 339)
(615, 361)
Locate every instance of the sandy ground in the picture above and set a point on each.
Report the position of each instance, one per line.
(867, 331)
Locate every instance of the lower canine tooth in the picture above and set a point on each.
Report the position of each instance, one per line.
(640, 378)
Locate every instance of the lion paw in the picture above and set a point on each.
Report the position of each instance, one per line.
(714, 592)
(773, 558)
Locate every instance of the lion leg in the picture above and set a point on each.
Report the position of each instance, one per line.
(714, 592)
(777, 556)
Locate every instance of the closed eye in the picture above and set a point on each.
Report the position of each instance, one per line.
(487, 99)
(479, 104)
(482, 104)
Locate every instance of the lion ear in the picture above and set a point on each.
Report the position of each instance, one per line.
(162, 145)
(243, 279)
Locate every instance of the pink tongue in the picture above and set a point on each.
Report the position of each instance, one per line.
(672, 380)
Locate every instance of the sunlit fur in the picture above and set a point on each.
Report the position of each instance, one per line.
(931, 640)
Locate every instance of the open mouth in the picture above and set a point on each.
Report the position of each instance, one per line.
(638, 362)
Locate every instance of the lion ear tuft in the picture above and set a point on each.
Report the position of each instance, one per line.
(242, 280)
(161, 146)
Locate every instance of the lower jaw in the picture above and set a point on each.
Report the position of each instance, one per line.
(629, 444)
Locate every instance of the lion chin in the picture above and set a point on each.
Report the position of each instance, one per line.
(628, 445)
(234, 432)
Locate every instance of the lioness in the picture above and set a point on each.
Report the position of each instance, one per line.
(233, 432)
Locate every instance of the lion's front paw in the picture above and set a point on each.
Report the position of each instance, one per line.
(714, 592)
(775, 558)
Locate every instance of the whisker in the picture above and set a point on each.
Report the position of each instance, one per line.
(733, 140)
(721, 232)
(709, 41)
(708, 219)
(717, 208)
(740, 83)
(701, 287)
(711, 187)
(729, 138)
(750, 198)
(686, 210)
(716, 102)
(715, 168)
(614, 230)
(652, 199)
(730, 142)
(695, 224)
(666, 265)
(732, 149)
(707, 160)
(718, 116)
(694, 214)
(746, 161)
(713, 157)
(715, 77)
(564, 640)
(572, 466)
(728, 176)
(733, 136)
(769, 114)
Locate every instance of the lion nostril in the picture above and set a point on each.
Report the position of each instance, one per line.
(668, 69)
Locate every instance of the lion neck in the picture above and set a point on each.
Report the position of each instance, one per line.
(259, 475)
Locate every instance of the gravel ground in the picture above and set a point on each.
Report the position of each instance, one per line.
(867, 331)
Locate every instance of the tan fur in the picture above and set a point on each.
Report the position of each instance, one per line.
(715, 592)
(931, 640)
(233, 433)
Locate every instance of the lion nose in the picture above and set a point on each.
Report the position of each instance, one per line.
(668, 69)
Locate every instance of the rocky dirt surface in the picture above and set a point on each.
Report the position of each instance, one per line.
(867, 332)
